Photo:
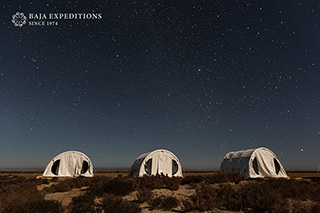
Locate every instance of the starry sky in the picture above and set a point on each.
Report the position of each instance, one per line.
(200, 78)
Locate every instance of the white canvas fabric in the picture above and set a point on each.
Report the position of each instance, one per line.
(69, 164)
(157, 162)
(253, 163)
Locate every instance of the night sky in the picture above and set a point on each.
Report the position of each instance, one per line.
(200, 78)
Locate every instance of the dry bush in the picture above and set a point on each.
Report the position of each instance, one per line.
(118, 186)
(187, 206)
(68, 184)
(96, 186)
(169, 202)
(144, 195)
(191, 179)
(205, 199)
(211, 179)
(113, 204)
(165, 203)
(63, 186)
(13, 179)
(295, 189)
(261, 198)
(148, 182)
(316, 207)
(172, 183)
(84, 203)
(155, 203)
(45, 181)
(268, 195)
(26, 198)
(157, 182)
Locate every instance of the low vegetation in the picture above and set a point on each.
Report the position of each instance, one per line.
(24, 197)
(114, 204)
(267, 195)
(211, 193)
(165, 203)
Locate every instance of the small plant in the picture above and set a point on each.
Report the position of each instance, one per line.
(26, 198)
(165, 203)
(172, 183)
(157, 182)
(45, 181)
(155, 203)
(144, 195)
(113, 204)
(60, 187)
(118, 186)
(169, 203)
(84, 203)
(211, 179)
(187, 206)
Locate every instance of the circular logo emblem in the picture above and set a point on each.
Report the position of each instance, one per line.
(19, 19)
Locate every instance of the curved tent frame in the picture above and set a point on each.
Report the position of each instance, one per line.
(253, 163)
(69, 164)
(157, 162)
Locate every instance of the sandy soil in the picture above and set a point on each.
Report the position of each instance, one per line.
(65, 197)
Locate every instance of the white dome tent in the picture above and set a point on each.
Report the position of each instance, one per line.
(69, 164)
(253, 163)
(157, 162)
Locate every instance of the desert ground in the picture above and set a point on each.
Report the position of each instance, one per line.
(196, 192)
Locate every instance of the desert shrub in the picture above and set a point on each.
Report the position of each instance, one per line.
(299, 207)
(148, 182)
(96, 186)
(68, 184)
(211, 179)
(9, 179)
(192, 179)
(261, 198)
(315, 207)
(155, 203)
(26, 198)
(157, 182)
(84, 203)
(45, 181)
(113, 204)
(118, 186)
(169, 203)
(172, 183)
(165, 203)
(144, 195)
(63, 186)
(187, 206)
(296, 189)
(268, 195)
(205, 199)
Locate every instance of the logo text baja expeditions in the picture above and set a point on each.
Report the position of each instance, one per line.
(51, 19)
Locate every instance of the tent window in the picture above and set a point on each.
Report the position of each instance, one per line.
(174, 167)
(255, 165)
(276, 165)
(55, 167)
(148, 166)
(85, 167)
